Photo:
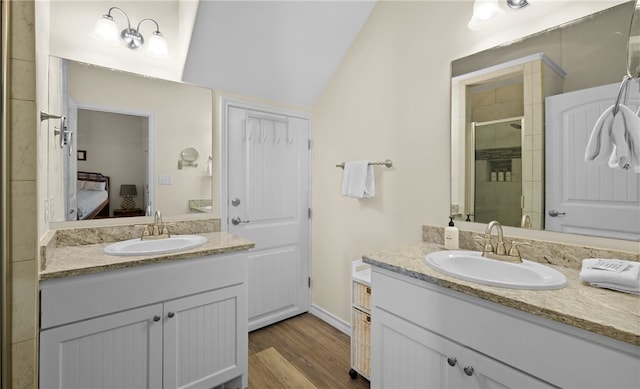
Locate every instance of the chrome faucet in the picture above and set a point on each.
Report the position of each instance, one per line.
(157, 230)
(500, 251)
(157, 217)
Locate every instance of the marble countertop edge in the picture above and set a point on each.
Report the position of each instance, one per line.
(409, 261)
(88, 259)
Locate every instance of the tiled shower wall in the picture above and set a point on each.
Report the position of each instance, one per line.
(23, 200)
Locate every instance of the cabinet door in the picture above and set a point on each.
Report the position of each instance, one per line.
(404, 355)
(205, 338)
(490, 374)
(122, 350)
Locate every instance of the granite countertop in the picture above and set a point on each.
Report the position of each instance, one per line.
(605, 312)
(90, 258)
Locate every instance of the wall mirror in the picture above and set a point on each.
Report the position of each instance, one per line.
(510, 108)
(127, 131)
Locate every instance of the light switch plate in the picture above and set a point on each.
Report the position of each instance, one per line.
(165, 180)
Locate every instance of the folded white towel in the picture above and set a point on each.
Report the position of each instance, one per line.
(627, 280)
(358, 180)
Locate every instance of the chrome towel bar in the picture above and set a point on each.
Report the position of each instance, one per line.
(386, 163)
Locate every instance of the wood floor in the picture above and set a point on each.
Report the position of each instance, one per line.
(301, 352)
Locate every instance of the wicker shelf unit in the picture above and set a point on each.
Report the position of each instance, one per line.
(360, 320)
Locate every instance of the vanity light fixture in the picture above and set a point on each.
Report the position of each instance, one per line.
(107, 30)
(517, 4)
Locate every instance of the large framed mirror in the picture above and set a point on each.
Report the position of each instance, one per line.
(124, 138)
(525, 110)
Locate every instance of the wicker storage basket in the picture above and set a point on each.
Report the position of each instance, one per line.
(362, 295)
(362, 334)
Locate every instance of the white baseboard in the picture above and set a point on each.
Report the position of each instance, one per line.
(331, 319)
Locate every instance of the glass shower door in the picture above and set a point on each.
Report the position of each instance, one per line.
(498, 171)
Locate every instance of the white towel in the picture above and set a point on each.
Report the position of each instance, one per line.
(600, 147)
(358, 180)
(616, 139)
(627, 280)
(625, 134)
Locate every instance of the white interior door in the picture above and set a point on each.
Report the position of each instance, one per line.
(586, 198)
(268, 203)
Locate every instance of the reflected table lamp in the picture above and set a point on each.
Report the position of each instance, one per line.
(129, 192)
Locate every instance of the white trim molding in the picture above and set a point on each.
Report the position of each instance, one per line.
(331, 319)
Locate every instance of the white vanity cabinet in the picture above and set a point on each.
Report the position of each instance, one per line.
(413, 357)
(178, 324)
(426, 336)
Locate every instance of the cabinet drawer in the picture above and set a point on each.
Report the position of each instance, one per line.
(361, 342)
(362, 295)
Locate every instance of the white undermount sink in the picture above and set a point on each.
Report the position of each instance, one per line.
(173, 244)
(472, 266)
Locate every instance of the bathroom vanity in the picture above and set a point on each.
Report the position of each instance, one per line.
(166, 321)
(432, 330)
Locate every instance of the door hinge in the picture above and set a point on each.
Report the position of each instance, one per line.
(309, 282)
(309, 213)
(309, 144)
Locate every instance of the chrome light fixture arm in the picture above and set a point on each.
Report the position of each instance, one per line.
(517, 4)
(108, 16)
(134, 39)
(157, 30)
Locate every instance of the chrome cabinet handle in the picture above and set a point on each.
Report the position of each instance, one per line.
(235, 202)
(156, 318)
(236, 220)
(554, 213)
(452, 361)
(468, 370)
(171, 314)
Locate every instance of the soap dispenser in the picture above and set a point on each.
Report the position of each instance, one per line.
(451, 236)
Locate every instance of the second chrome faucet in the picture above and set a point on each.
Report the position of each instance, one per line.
(157, 230)
(500, 251)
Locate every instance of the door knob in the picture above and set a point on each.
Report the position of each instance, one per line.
(554, 213)
(235, 202)
(236, 220)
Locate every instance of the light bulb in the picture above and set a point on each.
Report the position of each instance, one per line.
(157, 44)
(106, 29)
(484, 11)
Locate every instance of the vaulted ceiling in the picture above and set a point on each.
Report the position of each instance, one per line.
(279, 50)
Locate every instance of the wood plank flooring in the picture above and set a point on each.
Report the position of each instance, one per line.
(268, 367)
(301, 352)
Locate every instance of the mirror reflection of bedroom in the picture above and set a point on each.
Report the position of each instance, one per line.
(115, 124)
(111, 165)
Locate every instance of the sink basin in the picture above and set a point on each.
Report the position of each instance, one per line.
(471, 266)
(173, 244)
